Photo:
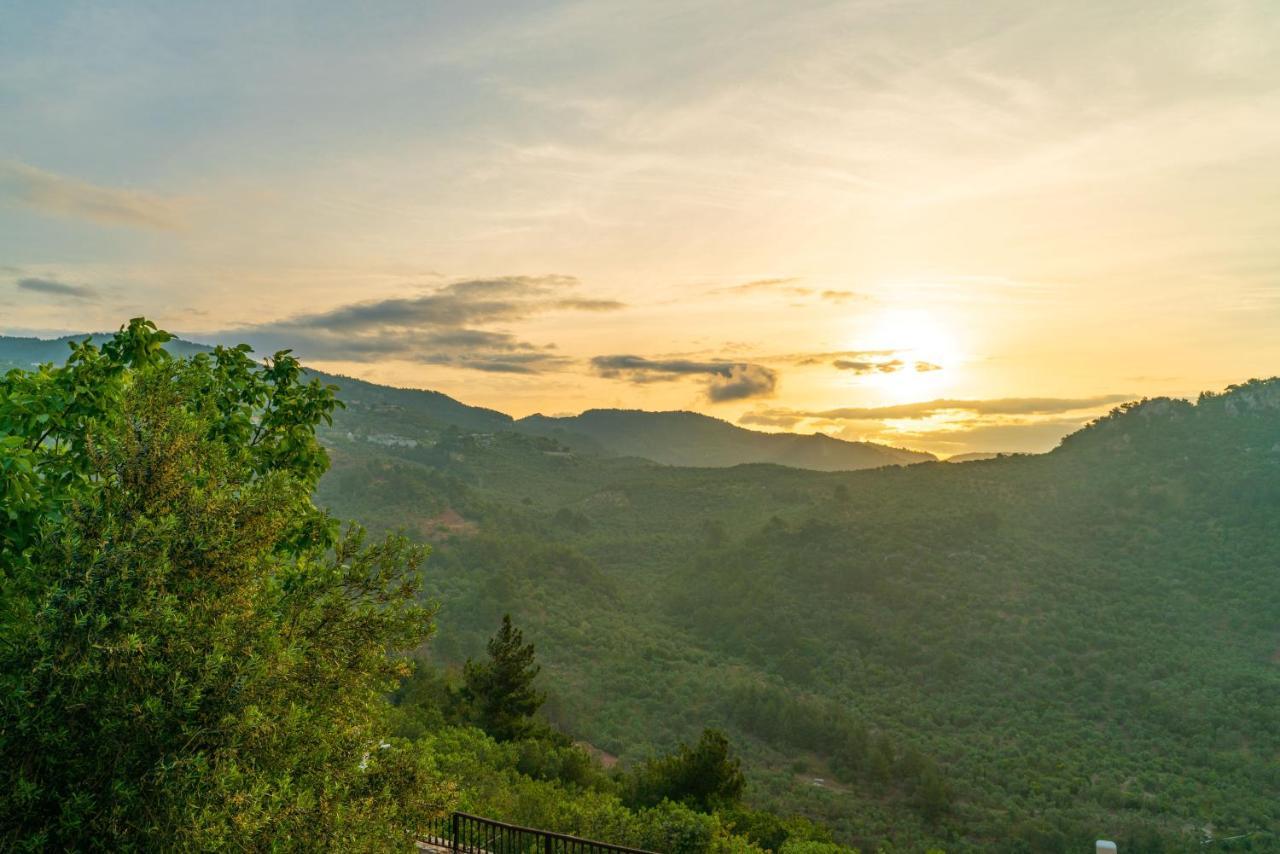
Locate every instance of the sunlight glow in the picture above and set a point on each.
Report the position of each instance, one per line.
(915, 331)
(927, 347)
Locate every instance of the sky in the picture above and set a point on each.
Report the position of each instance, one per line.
(948, 226)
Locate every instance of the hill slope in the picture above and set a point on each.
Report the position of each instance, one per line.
(22, 352)
(387, 415)
(692, 439)
(1022, 654)
(385, 408)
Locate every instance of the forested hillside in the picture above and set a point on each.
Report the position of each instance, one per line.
(1018, 654)
(1024, 653)
(194, 657)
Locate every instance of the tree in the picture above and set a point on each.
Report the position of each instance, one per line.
(499, 692)
(882, 761)
(263, 416)
(191, 655)
(933, 794)
(706, 776)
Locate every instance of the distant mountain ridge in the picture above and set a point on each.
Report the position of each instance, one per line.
(678, 438)
(684, 438)
(439, 409)
(28, 352)
(973, 457)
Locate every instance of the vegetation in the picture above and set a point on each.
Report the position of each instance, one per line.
(194, 657)
(499, 692)
(688, 801)
(706, 776)
(191, 657)
(1020, 654)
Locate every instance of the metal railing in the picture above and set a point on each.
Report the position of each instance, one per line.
(474, 834)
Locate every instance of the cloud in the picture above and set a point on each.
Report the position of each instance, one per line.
(930, 408)
(587, 305)
(443, 327)
(877, 364)
(1011, 435)
(764, 419)
(56, 288)
(1032, 424)
(850, 355)
(792, 287)
(863, 366)
(842, 296)
(743, 381)
(468, 302)
(64, 196)
(725, 380)
(789, 286)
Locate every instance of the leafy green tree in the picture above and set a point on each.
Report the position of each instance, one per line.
(771, 832)
(705, 777)
(45, 416)
(499, 691)
(809, 846)
(933, 794)
(882, 760)
(191, 656)
(424, 701)
(264, 417)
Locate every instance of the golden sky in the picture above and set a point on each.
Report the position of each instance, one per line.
(950, 226)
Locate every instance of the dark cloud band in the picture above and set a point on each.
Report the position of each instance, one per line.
(883, 366)
(725, 380)
(56, 288)
(442, 327)
(863, 366)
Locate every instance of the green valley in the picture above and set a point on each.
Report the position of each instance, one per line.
(1016, 654)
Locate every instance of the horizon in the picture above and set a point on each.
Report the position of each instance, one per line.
(831, 218)
(1191, 398)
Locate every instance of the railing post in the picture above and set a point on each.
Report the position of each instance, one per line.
(551, 845)
(453, 841)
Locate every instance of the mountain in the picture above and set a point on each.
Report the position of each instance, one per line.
(388, 415)
(1025, 654)
(29, 352)
(386, 408)
(692, 439)
(975, 456)
(22, 352)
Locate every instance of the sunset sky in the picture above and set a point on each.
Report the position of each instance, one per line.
(943, 225)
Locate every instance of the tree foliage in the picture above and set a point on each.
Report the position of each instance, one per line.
(705, 776)
(499, 691)
(191, 655)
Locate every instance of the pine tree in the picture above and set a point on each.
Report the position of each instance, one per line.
(706, 776)
(500, 692)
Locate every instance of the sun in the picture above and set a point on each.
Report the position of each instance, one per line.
(912, 332)
(922, 351)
